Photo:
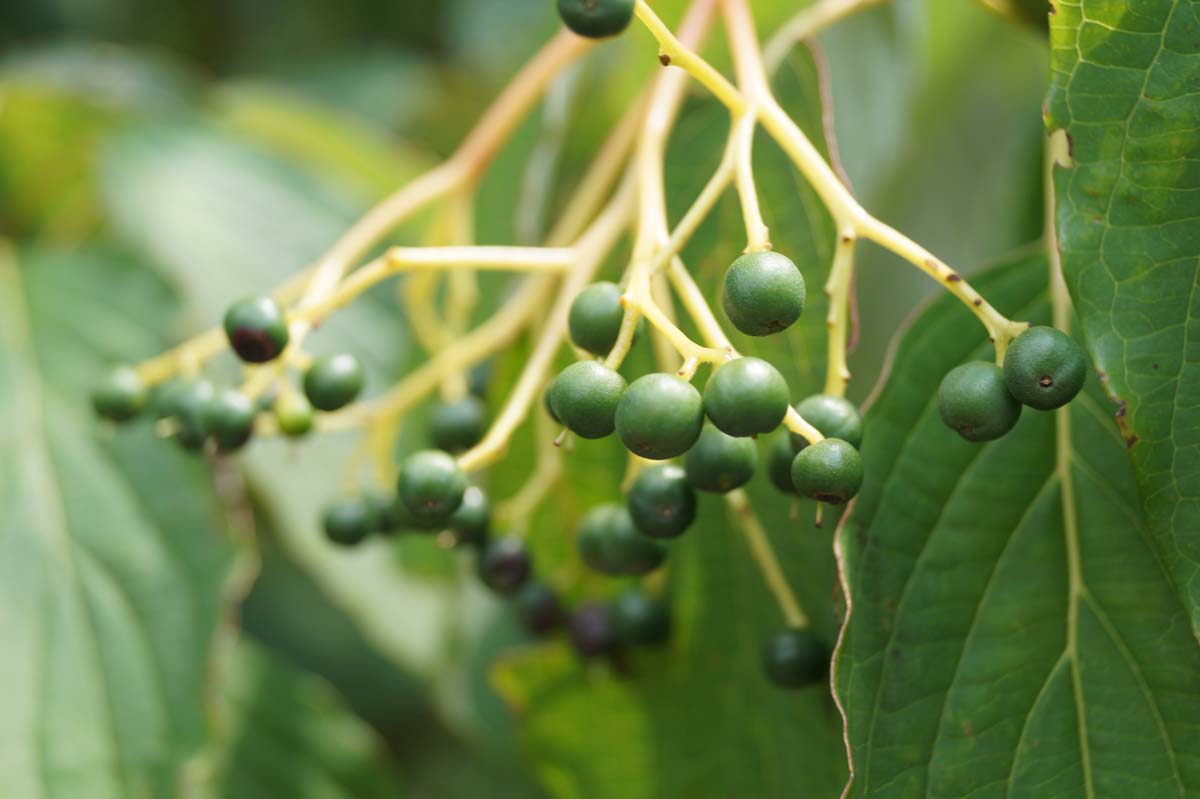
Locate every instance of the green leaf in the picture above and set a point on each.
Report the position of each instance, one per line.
(1011, 631)
(1123, 89)
(112, 562)
(700, 719)
(286, 733)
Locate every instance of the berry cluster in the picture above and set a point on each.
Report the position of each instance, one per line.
(1043, 368)
(200, 414)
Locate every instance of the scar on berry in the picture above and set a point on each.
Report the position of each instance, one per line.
(1045, 381)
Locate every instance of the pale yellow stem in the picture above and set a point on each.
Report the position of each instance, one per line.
(765, 559)
(758, 237)
(837, 319)
(808, 23)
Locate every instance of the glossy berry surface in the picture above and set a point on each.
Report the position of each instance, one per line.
(746, 397)
(458, 425)
(257, 329)
(585, 397)
(504, 565)
(795, 658)
(659, 416)
(595, 318)
(293, 414)
(538, 607)
(835, 417)
(974, 401)
(719, 463)
(348, 521)
(780, 455)
(639, 619)
(592, 631)
(1044, 368)
(472, 520)
(229, 419)
(431, 485)
(829, 471)
(333, 381)
(596, 19)
(608, 542)
(120, 396)
(764, 293)
(661, 502)
(190, 407)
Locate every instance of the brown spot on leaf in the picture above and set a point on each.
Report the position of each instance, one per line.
(1130, 441)
(1120, 414)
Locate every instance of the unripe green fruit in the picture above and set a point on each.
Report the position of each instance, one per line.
(387, 512)
(1044, 368)
(459, 425)
(120, 396)
(472, 520)
(348, 521)
(779, 462)
(719, 463)
(660, 416)
(585, 397)
(293, 414)
(257, 329)
(229, 419)
(608, 542)
(504, 565)
(974, 401)
(548, 403)
(661, 502)
(333, 381)
(595, 318)
(596, 19)
(431, 485)
(592, 631)
(795, 658)
(746, 397)
(538, 607)
(835, 417)
(191, 414)
(829, 471)
(640, 620)
(764, 293)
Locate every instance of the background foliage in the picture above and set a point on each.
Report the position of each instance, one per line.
(157, 160)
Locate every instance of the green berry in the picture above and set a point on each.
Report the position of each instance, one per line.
(779, 462)
(538, 607)
(592, 631)
(478, 378)
(660, 416)
(974, 400)
(719, 463)
(548, 402)
(595, 318)
(333, 381)
(829, 471)
(764, 293)
(835, 417)
(661, 502)
(471, 521)
(257, 329)
(746, 397)
(167, 398)
(459, 425)
(609, 542)
(504, 565)
(1044, 368)
(432, 486)
(191, 414)
(348, 521)
(639, 619)
(596, 19)
(120, 396)
(795, 658)
(585, 397)
(387, 512)
(229, 419)
(293, 414)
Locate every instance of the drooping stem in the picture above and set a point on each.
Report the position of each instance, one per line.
(765, 558)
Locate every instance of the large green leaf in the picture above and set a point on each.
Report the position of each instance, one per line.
(701, 720)
(1124, 90)
(1011, 632)
(112, 559)
(285, 733)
